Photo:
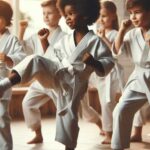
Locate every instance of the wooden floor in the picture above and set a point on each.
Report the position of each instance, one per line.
(89, 138)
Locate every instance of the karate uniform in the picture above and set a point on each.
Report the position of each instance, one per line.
(88, 112)
(141, 116)
(108, 88)
(11, 47)
(38, 95)
(136, 92)
(64, 71)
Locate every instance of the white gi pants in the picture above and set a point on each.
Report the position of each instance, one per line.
(5, 131)
(141, 115)
(36, 97)
(88, 112)
(45, 70)
(123, 115)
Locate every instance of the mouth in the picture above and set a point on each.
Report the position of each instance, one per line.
(69, 24)
(135, 22)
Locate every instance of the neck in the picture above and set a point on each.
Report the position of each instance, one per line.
(52, 28)
(145, 33)
(108, 30)
(79, 34)
(82, 31)
(2, 31)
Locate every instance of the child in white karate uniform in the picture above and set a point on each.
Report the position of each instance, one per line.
(38, 95)
(135, 43)
(111, 85)
(69, 66)
(11, 52)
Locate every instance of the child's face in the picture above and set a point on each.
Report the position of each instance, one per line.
(139, 17)
(51, 16)
(106, 18)
(73, 19)
(2, 24)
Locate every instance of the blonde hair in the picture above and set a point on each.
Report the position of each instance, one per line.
(110, 6)
(48, 3)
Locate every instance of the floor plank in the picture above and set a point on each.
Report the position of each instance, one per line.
(89, 138)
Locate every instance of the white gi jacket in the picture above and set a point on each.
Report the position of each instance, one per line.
(112, 84)
(10, 45)
(135, 46)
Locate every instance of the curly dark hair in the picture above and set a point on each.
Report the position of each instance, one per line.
(86, 8)
(145, 4)
(6, 12)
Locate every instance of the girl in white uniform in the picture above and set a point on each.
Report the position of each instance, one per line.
(38, 95)
(109, 86)
(135, 43)
(69, 66)
(11, 52)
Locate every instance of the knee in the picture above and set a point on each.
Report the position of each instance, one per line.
(26, 104)
(120, 111)
(4, 119)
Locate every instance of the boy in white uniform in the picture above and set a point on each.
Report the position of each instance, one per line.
(69, 66)
(11, 52)
(38, 95)
(135, 43)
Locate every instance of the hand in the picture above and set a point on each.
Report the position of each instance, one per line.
(3, 57)
(101, 32)
(23, 24)
(43, 34)
(87, 58)
(125, 24)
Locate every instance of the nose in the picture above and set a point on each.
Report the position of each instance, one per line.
(133, 16)
(67, 18)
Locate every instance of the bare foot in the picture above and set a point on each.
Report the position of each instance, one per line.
(135, 138)
(102, 133)
(36, 140)
(107, 140)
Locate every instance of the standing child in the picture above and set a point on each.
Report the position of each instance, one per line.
(11, 53)
(135, 43)
(109, 86)
(37, 95)
(69, 66)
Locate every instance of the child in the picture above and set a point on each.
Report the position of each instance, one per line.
(69, 66)
(109, 86)
(135, 43)
(37, 95)
(11, 53)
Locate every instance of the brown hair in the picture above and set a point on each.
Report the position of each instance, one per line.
(6, 12)
(110, 6)
(145, 4)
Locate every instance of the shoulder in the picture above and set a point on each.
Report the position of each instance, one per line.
(11, 38)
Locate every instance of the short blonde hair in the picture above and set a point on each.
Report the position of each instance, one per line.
(48, 3)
